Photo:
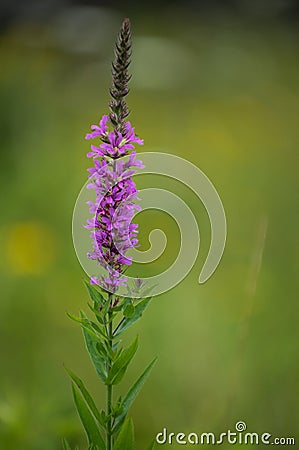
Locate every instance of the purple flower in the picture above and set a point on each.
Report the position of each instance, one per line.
(130, 135)
(99, 131)
(94, 280)
(115, 144)
(112, 230)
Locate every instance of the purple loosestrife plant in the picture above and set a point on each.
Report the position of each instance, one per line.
(112, 235)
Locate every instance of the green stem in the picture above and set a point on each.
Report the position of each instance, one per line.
(118, 326)
(109, 386)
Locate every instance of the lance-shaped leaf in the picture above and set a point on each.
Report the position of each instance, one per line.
(129, 311)
(95, 295)
(129, 321)
(131, 395)
(125, 439)
(96, 352)
(92, 431)
(119, 367)
(87, 397)
(117, 409)
(90, 326)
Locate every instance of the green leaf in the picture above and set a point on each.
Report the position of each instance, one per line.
(106, 308)
(127, 322)
(96, 349)
(119, 367)
(86, 321)
(125, 439)
(115, 345)
(129, 311)
(86, 395)
(94, 294)
(120, 375)
(97, 313)
(75, 318)
(90, 326)
(93, 434)
(104, 417)
(131, 395)
(66, 445)
(127, 301)
(118, 408)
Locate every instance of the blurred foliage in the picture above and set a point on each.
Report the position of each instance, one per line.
(222, 93)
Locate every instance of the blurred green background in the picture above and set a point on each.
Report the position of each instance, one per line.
(215, 83)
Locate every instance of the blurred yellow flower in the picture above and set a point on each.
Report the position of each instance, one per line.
(30, 247)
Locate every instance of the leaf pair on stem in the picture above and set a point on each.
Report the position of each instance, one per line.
(108, 429)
